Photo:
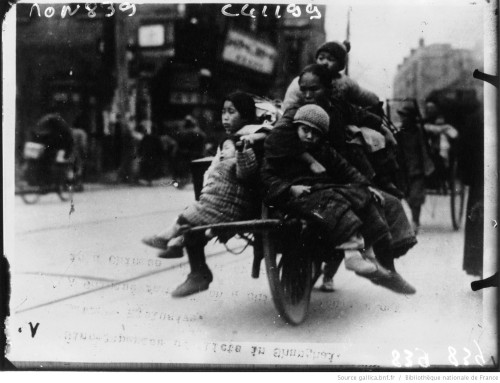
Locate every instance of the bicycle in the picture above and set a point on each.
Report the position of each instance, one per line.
(40, 176)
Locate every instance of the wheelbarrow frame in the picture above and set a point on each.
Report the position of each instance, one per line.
(292, 258)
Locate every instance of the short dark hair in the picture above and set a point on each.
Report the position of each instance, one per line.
(244, 104)
(324, 75)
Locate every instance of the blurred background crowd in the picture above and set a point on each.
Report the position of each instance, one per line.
(141, 92)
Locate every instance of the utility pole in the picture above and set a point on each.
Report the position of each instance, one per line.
(348, 38)
(121, 93)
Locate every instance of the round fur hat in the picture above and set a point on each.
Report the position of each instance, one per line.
(336, 49)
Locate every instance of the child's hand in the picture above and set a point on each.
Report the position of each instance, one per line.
(247, 141)
(317, 168)
(297, 190)
(250, 139)
(314, 165)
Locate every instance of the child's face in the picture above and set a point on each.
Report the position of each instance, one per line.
(228, 150)
(313, 92)
(326, 59)
(231, 118)
(310, 137)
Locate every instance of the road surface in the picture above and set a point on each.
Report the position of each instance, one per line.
(85, 290)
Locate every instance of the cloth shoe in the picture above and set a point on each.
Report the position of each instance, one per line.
(172, 252)
(196, 282)
(156, 241)
(395, 282)
(389, 279)
(175, 248)
(327, 285)
(354, 261)
(161, 241)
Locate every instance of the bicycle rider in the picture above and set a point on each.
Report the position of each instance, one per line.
(54, 133)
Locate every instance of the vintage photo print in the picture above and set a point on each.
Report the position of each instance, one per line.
(264, 186)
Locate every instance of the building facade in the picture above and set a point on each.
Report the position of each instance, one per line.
(105, 65)
(443, 71)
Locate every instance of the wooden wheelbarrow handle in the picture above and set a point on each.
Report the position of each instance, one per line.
(256, 225)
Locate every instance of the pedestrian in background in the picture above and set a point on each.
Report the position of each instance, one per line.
(131, 138)
(417, 163)
(442, 136)
(150, 152)
(80, 152)
(190, 146)
(169, 148)
(53, 134)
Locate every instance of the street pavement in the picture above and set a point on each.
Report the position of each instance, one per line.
(86, 292)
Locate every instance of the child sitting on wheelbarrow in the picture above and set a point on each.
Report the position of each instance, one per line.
(228, 194)
(341, 202)
(283, 142)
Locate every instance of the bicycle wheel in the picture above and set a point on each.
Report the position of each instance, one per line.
(64, 182)
(290, 270)
(30, 194)
(457, 197)
(30, 187)
(64, 191)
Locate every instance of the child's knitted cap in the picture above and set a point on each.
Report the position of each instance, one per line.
(314, 116)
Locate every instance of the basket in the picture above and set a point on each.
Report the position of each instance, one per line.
(33, 150)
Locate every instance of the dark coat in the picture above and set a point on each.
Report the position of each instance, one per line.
(283, 140)
(413, 147)
(472, 165)
(53, 132)
(339, 200)
(191, 143)
(150, 153)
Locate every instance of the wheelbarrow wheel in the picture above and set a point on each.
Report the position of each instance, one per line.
(289, 268)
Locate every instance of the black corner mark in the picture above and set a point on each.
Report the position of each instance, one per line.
(493, 80)
(5, 7)
(33, 329)
(494, 362)
(483, 283)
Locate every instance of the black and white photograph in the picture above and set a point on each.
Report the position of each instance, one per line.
(251, 186)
